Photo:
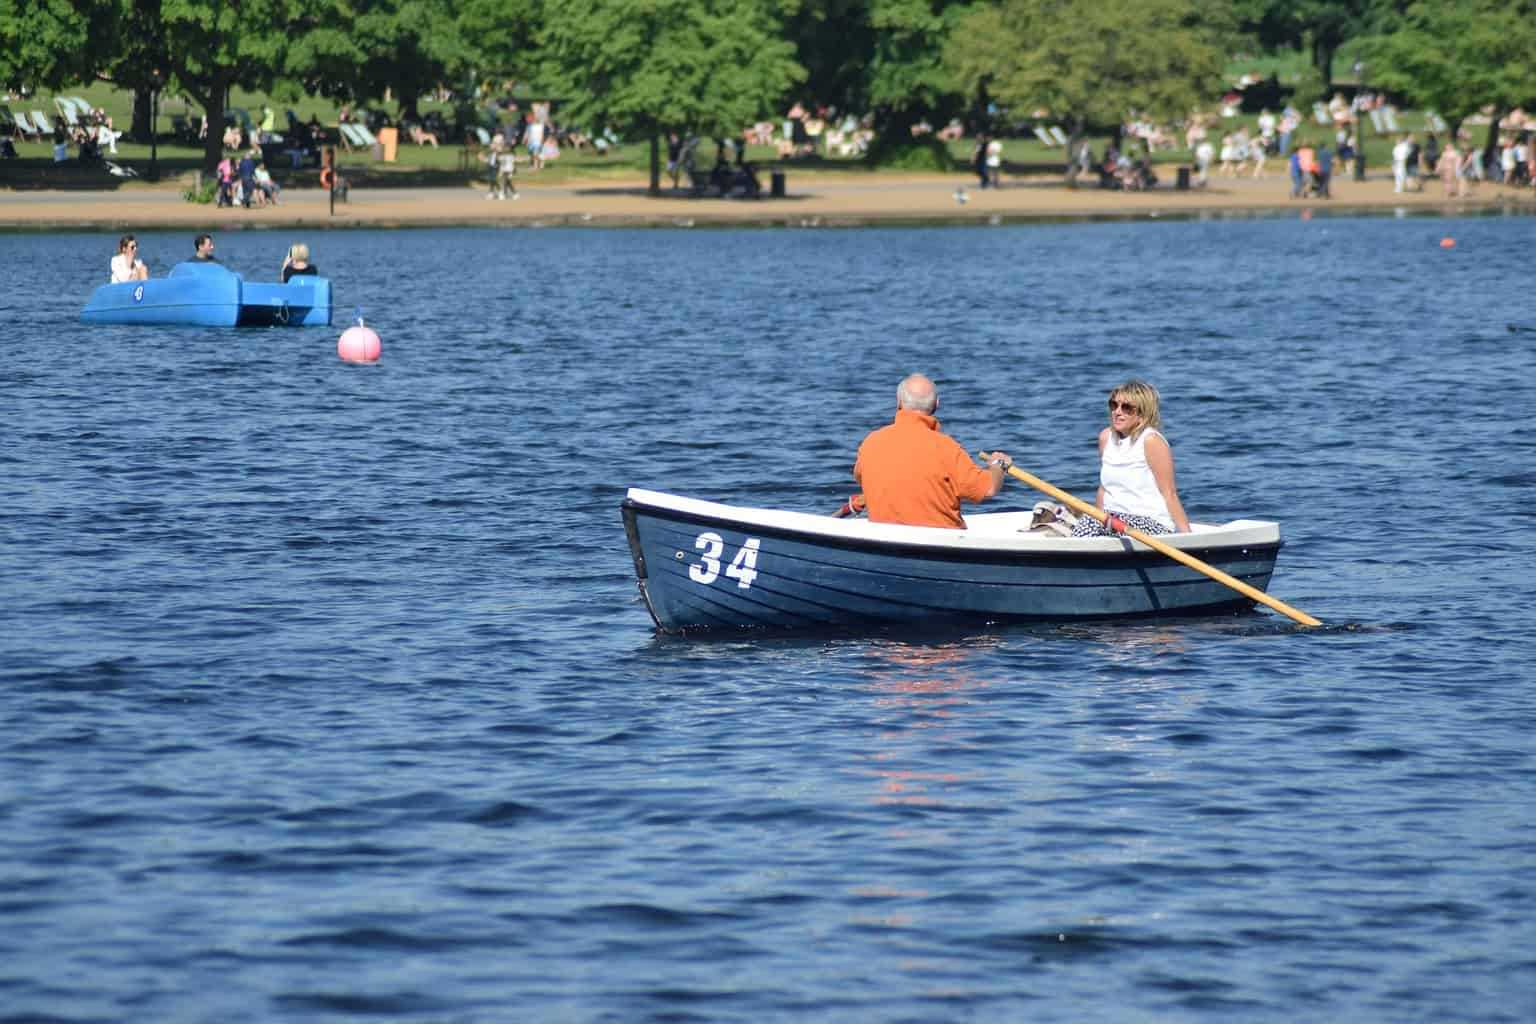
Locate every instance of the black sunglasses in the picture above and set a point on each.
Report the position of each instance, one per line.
(1124, 407)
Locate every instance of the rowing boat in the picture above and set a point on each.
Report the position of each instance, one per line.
(703, 564)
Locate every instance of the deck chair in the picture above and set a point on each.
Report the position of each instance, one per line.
(1057, 134)
(1044, 137)
(365, 133)
(1378, 122)
(1389, 116)
(67, 111)
(25, 127)
(349, 137)
(1320, 114)
(40, 120)
(1435, 122)
(82, 108)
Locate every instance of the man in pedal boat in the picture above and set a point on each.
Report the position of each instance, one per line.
(914, 474)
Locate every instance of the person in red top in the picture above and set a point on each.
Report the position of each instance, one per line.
(915, 475)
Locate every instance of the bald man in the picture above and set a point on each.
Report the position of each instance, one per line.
(917, 476)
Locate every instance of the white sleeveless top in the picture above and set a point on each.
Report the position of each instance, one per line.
(1127, 479)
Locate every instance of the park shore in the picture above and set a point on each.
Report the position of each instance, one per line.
(809, 201)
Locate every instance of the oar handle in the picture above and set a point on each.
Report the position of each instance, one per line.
(1083, 508)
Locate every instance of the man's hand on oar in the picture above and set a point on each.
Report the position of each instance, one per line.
(852, 507)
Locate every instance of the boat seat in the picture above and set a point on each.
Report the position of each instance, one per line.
(198, 268)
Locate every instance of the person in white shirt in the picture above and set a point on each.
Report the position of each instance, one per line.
(1204, 153)
(126, 265)
(1400, 164)
(1136, 478)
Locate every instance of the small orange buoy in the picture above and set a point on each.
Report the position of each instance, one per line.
(359, 344)
(1306, 214)
(1447, 243)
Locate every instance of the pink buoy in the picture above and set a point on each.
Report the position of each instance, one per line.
(359, 344)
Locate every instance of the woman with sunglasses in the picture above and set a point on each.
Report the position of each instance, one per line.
(1136, 482)
(126, 265)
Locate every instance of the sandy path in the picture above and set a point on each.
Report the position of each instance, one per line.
(810, 201)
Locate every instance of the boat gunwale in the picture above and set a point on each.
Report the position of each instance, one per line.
(1103, 552)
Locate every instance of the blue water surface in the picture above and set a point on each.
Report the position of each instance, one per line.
(328, 695)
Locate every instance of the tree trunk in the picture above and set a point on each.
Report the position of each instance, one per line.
(655, 161)
(1493, 132)
(141, 125)
(409, 103)
(1322, 59)
(213, 120)
(1073, 139)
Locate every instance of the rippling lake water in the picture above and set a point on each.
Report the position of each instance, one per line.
(327, 692)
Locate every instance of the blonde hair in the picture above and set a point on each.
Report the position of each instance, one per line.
(1145, 398)
(298, 252)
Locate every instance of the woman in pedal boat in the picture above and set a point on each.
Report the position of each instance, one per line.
(126, 265)
(1136, 479)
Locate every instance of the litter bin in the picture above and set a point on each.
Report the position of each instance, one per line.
(776, 185)
(389, 144)
(1182, 184)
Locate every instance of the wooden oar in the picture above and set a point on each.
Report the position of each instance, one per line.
(1083, 508)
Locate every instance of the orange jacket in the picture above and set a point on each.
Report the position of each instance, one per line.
(915, 475)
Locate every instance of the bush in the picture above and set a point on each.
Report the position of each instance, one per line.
(203, 193)
(922, 154)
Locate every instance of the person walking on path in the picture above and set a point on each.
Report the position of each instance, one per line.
(979, 162)
(1447, 167)
(914, 474)
(1400, 165)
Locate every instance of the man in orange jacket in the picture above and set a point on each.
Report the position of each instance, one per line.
(917, 476)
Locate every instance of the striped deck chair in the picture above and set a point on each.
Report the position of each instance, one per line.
(25, 128)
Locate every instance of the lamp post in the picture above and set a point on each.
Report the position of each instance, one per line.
(1359, 120)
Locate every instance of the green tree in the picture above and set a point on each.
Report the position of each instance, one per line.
(1318, 27)
(880, 57)
(835, 43)
(1091, 63)
(646, 67)
(51, 45)
(214, 45)
(1457, 57)
(909, 79)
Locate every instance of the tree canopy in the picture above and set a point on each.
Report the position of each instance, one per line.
(645, 67)
(1459, 57)
(1088, 62)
